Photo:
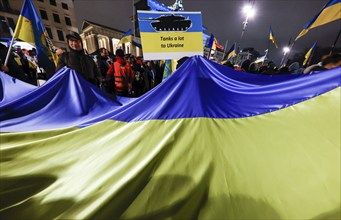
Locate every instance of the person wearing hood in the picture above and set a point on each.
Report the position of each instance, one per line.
(121, 74)
(76, 59)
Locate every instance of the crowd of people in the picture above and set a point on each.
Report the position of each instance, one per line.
(125, 75)
(118, 74)
(328, 61)
(22, 64)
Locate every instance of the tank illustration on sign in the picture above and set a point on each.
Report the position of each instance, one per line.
(170, 23)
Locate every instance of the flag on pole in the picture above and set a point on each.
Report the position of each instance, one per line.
(308, 55)
(31, 29)
(263, 58)
(217, 45)
(168, 69)
(127, 37)
(231, 53)
(137, 44)
(272, 38)
(211, 43)
(330, 12)
(260, 59)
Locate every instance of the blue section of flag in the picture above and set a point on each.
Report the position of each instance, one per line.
(128, 33)
(211, 42)
(136, 44)
(12, 89)
(199, 89)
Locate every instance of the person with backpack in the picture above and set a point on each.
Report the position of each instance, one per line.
(76, 59)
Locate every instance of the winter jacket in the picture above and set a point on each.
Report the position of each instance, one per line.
(81, 63)
(123, 76)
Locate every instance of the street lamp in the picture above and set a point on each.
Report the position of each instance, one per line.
(286, 50)
(250, 12)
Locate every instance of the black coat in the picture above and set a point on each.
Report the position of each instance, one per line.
(81, 63)
(103, 66)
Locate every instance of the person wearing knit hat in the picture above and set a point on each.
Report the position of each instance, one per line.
(74, 35)
(76, 59)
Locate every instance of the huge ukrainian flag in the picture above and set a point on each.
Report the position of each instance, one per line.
(208, 143)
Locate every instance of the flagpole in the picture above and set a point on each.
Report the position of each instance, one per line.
(310, 58)
(209, 54)
(266, 55)
(268, 50)
(9, 51)
(133, 49)
(133, 18)
(337, 38)
(225, 48)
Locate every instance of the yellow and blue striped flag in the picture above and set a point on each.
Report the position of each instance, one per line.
(127, 37)
(308, 55)
(330, 12)
(31, 29)
(205, 156)
(168, 69)
(272, 38)
(232, 52)
(262, 58)
(212, 43)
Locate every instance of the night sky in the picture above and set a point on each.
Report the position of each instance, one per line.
(224, 19)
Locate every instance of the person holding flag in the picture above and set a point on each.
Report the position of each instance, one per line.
(30, 29)
(329, 61)
(12, 68)
(76, 59)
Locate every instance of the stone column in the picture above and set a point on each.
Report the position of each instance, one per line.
(111, 46)
(93, 43)
(96, 42)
